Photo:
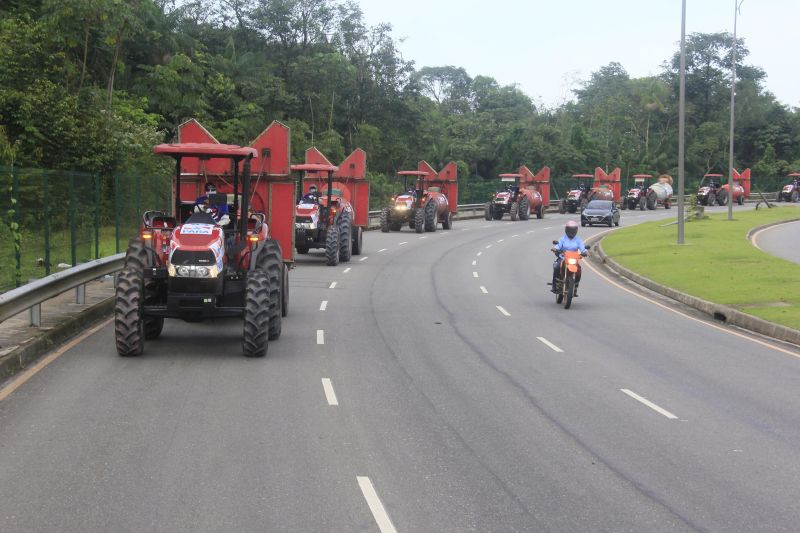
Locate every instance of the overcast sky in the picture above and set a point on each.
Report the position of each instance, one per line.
(548, 47)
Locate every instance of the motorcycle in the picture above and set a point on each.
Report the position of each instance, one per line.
(568, 275)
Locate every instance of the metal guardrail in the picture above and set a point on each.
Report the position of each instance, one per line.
(31, 295)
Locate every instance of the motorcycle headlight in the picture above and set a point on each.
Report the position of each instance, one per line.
(571, 261)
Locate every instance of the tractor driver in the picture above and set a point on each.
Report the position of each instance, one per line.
(312, 196)
(572, 243)
(219, 212)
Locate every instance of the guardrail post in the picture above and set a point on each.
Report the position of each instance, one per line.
(36, 315)
(72, 229)
(80, 294)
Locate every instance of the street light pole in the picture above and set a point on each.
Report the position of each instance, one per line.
(682, 125)
(736, 4)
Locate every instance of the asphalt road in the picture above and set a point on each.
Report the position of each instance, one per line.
(781, 241)
(459, 397)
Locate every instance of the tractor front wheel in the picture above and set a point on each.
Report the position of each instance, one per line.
(642, 203)
(722, 199)
(419, 220)
(128, 322)
(652, 200)
(740, 200)
(256, 314)
(793, 197)
(447, 221)
(332, 246)
(430, 216)
(358, 239)
(525, 209)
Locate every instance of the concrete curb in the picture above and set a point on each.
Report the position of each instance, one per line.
(723, 313)
(752, 232)
(20, 357)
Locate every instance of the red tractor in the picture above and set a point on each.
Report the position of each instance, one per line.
(741, 188)
(637, 195)
(791, 191)
(605, 187)
(709, 189)
(220, 253)
(332, 214)
(433, 200)
(520, 196)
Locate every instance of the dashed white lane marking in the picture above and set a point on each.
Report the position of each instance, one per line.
(402, 243)
(649, 404)
(528, 232)
(320, 336)
(500, 240)
(479, 254)
(333, 285)
(550, 344)
(487, 226)
(364, 258)
(474, 263)
(375, 505)
(330, 395)
(324, 305)
(483, 290)
(548, 227)
(23, 378)
(423, 237)
(508, 223)
(500, 308)
(488, 246)
(346, 270)
(515, 235)
(382, 250)
(474, 274)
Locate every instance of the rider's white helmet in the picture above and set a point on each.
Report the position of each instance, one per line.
(571, 229)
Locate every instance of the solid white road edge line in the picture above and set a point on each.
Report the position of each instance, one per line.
(320, 336)
(550, 344)
(323, 305)
(500, 308)
(330, 395)
(483, 290)
(375, 505)
(649, 404)
(32, 371)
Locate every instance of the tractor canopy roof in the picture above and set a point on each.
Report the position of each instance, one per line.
(642, 176)
(205, 150)
(412, 173)
(583, 175)
(712, 175)
(315, 167)
(794, 174)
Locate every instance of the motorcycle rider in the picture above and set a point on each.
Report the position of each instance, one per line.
(572, 243)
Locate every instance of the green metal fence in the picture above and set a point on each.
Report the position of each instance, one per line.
(53, 219)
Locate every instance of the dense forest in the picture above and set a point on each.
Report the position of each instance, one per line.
(92, 85)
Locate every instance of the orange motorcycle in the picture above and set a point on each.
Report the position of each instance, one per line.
(568, 275)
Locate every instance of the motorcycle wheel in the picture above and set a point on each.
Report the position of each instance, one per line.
(569, 292)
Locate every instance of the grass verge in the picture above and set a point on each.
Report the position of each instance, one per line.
(717, 263)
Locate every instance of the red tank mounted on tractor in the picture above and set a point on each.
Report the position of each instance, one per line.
(790, 191)
(741, 188)
(432, 201)
(605, 187)
(335, 216)
(218, 254)
(521, 195)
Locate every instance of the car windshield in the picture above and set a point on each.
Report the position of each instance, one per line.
(599, 204)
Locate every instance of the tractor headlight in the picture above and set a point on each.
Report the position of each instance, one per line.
(202, 272)
(401, 207)
(192, 271)
(184, 271)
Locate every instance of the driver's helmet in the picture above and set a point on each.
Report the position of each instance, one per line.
(571, 229)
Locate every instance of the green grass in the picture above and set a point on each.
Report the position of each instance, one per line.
(716, 263)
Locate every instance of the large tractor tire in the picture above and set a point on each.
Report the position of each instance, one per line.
(419, 220)
(652, 200)
(256, 314)
(525, 209)
(722, 199)
(358, 239)
(642, 203)
(385, 220)
(332, 246)
(285, 291)
(430, 216)
(740, 199)
(137, 256)
(128, 322)
(514, 211)
(540, 211)
(794, 196)
(562, 206)
(270, 262)
(487, 211)
(447, 221)
(345, 238)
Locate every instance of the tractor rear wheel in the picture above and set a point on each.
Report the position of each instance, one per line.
(138, 257)
(793, 197)
(722, 199)
(447, 221)
(358, 239)
(514, 211)
(525, 209)
(652, 200)
(711, 199)
(128, 323)
(740, 199)
(256, 314)
(385, 220)
(430, 216)
(270, 262)
(419, 220)
(345, 238)
(540, 211)
(487, 211)
(332, 246)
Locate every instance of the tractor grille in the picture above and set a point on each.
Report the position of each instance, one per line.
(185, 257)
(302, 219)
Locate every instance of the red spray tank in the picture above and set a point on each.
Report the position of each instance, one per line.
(603, 181)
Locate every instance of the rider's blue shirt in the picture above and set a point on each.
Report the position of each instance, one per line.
(571, 245)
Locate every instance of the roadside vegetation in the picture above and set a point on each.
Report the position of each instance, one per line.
(717, 263)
